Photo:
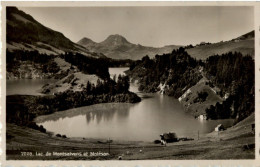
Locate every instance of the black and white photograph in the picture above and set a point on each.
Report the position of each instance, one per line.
(129, 82)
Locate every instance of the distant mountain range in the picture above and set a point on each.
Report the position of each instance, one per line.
(23, 32)
(117, 47)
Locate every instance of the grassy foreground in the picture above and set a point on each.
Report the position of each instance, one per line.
(236, 142)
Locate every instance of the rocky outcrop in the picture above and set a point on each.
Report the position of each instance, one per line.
(188, 92)
(163, 88)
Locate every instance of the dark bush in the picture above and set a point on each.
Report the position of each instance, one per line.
(42, 129)
(58, 135)
(156, 141)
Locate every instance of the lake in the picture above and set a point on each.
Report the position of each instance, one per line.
(143, 121)
(26, 86)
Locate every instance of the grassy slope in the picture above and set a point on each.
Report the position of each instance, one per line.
(198, 108)
(77, 80)
(203, 52)
(229, 144)
(26, 33)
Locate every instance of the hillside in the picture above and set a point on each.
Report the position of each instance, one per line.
(193, 100)
(249, 35)
(23, 32)
(244, 44)
(220, 87)
(118, 47)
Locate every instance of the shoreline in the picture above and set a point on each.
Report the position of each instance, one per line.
(70, 113)
(26, 139)
(236, 142)
(59, 113)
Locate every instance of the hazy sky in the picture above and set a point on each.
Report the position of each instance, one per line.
(149, 26)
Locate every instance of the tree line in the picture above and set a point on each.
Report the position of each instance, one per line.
(88, 65)
(45, 62)
(176, 69)
(233, 73)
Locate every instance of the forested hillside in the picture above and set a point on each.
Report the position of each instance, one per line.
(176, 70)
(235, 75)
(21, 109)
(175, 73)
(22, 64)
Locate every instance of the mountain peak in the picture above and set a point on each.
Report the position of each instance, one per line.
(115, 39)
(85, 41)
(116, 36)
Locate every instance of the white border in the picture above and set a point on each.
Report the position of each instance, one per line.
(136, 163)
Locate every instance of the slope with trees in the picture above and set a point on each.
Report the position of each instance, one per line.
(231, 74)
(235, 75)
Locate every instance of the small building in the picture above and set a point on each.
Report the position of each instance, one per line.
(203, 43)
(169, 137)
(220, 127)
(202, 117)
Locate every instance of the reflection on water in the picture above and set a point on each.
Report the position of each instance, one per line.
(95, 112)
(106, 116)
(146, 120)
(123, 121)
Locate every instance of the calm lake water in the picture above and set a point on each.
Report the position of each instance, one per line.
(145, 121)
(26, 86)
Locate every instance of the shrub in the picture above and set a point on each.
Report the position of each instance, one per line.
(58, 135)
(157, 141)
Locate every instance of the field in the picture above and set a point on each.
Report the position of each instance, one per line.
(246, 47)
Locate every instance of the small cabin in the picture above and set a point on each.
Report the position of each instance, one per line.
(169, 137)
(202, 117)
(220, 127)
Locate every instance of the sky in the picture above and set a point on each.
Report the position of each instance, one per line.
(148, 26)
